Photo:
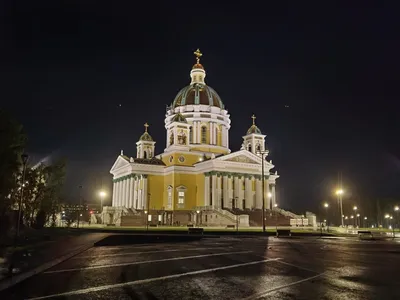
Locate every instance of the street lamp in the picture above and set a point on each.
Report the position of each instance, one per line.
(276, 219)
(355, 220)
(397, 209)
(237, 220)
(326, 205)
(365, 222)
(102, 195)
(24, 158)
(263, 153)
(340, 193)
(197, 217)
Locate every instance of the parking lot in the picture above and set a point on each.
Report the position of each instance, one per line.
(224, 268)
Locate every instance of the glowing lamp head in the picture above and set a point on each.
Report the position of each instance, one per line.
(276, 205)
(396, 208)
(269, 195)
(102, 194)
(355, 207)
(339, 192)
(326, 205)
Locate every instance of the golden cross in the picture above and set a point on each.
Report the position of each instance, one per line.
(254, 119)
(146, 126)
(198, 55)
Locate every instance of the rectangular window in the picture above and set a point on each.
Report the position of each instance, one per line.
(181, 197)
(169, 204)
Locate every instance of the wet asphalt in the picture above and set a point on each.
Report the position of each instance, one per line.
(225, 268)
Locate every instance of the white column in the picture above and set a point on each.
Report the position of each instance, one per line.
(225, 191)
(241, 193)
(130, 201)
(227, 137)
(219, 191)
(194, 133)
(135, 194)
(144, 194)
(258, 194)
(119, 191)
(214, 190)
(114, 194)
(199, 132)
(273, 195)
(236, 191)
(210, 132)
(124, 193)
(206, 190)
(248, 193)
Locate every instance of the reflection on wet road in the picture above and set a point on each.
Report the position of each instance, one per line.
(224, 268)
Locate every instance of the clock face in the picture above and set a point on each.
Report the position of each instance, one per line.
(171, 158)
(181, 159)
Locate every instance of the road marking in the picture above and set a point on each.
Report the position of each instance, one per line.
(145, 252)
(144, 262)
(143, 281)
(298, 267)
(262, 294)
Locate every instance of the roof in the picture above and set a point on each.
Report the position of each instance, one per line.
(146, 137)
(254, 129)
(149, 161)
(198, 66)
(196, 94)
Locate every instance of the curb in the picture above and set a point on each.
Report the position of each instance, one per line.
(13, 280)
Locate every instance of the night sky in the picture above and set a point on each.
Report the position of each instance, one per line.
(83, 77)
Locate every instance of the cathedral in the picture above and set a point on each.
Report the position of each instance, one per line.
(197, 179)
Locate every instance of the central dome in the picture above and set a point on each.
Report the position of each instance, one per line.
(197, 94)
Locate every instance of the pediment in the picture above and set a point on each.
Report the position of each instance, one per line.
(119, 163)
(242, 159)
(242, 156)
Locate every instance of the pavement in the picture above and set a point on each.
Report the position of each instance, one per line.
(35, 258)
(224, 268)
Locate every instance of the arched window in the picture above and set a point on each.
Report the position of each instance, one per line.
(204, 135)
(258, 147)
(249, 147)
(144, 154)
(171, 138)
(191, 135)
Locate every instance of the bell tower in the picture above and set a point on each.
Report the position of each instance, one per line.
(254, 140)
(145, 146)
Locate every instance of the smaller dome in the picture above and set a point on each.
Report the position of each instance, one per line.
(254, 129)
(198, 66)
(179, 118)
(146, 137)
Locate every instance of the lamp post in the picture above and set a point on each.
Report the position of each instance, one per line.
(197, 217)
(24, 158)
(355, 220)
(365, 222)
(358, 220)
(326, 205)
(102, 195)
(80, 204)
(237, 220)
(276, 219)
(339, 193)
(397, 209)
(148, 210)
(263, 153)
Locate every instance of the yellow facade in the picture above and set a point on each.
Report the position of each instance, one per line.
(158, 190)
